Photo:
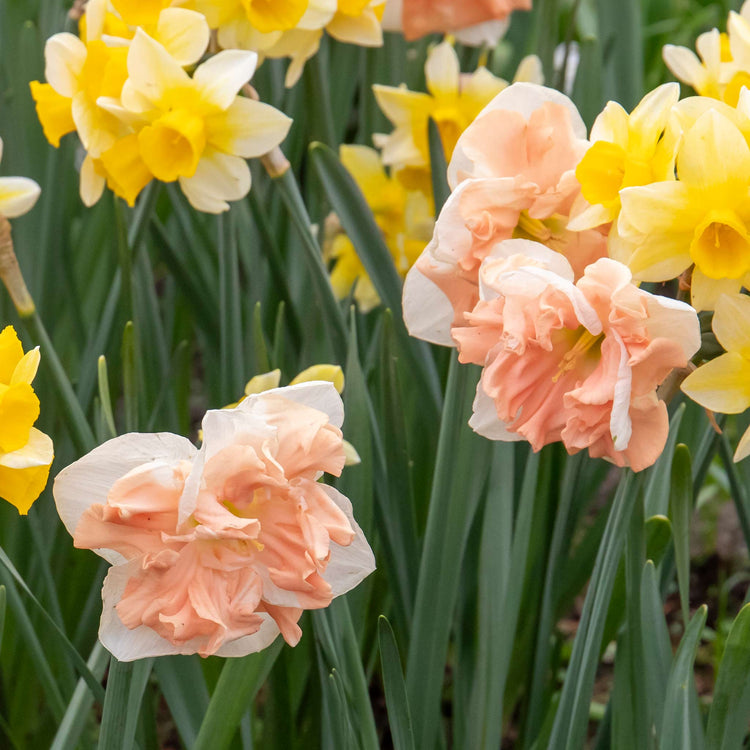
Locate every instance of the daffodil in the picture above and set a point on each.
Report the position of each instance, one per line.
(626, 150)
(25, 453)
(703, 218)
(454, 100)
(723, 384)
(404, 216)
(722, 66)
(17, 194)
(197, 130)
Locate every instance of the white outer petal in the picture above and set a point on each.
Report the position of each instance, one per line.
(428, 313)
(620, 424)
(184, 34)
(38, 451)
(674, 320)
(223, 75)
(485, 422)
(64, 56)
(91, 184)
(393, 16)
(219, 178)
(89, 480)
(486, 33)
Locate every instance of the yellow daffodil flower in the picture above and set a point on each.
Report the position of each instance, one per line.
(25, 453)
(196, 130)
(703, 218)
(17, 194)
(626, 150)
(723, 384)
(454, 100)
(722, 66)
(405, 218)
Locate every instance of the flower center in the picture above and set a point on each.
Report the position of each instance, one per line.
(271, 15)
(585, 342)
(173, 145)
(721, 246)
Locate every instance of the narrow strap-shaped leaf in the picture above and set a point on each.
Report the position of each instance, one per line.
(569, 729)
(138, 681)
(115, 714)
(681, 508)
(183, 686)
(460, 475)
(438, 167)
(399, 716)
(656, 489)
(730, 708)
(682, 726)
(657, 648)
(76, 658)
(238, 684)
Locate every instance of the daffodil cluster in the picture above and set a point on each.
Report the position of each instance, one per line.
(291, 29)
(140, 116)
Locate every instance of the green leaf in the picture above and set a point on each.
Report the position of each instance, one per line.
(658, 537)
(395, 688)
(238, 684)
(114, 716)
(681, 508)
(681, 727)
(184, 688)
(569, 730)
(656, 491)
(460, 474)
(438, 167)
(730, 708)
(657, 647)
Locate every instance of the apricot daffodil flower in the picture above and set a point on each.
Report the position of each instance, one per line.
(703, 218)
(723, 384)
(453, 101)
(26, 454)
(218, 550)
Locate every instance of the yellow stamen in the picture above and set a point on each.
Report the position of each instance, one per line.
(585, 342)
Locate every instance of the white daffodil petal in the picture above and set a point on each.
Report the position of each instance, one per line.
(443, 71)
(64, 56)
(224, 74)
(248, 128)
(184, 34)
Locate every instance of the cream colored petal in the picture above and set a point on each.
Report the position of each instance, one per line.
(152, 73)
(248, 128)
(592, 216)
(38, 451)
(219, 178)
(318, 14)
(331, 373)
(364, 30)
(529, 70)
(722, 385)
(650, 116)
(743, 447)
(485, 422)
(263, 382)
(611, 125)
(97, 131)
(393, 16)
(705, 292)
(685, 66)
(731, 323)
(428, 313)
(91, 184)
(738, 29)
(714, 153)
(184, 34)
(17, 195)
(64, 56)
(659, 207)
(399, 104)
(708, 45)
(320, 395)
(442, 71)
(223, 75)
(89, 480)
(26, 369)
(671, 319)
(620, 425)
(96, 12)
